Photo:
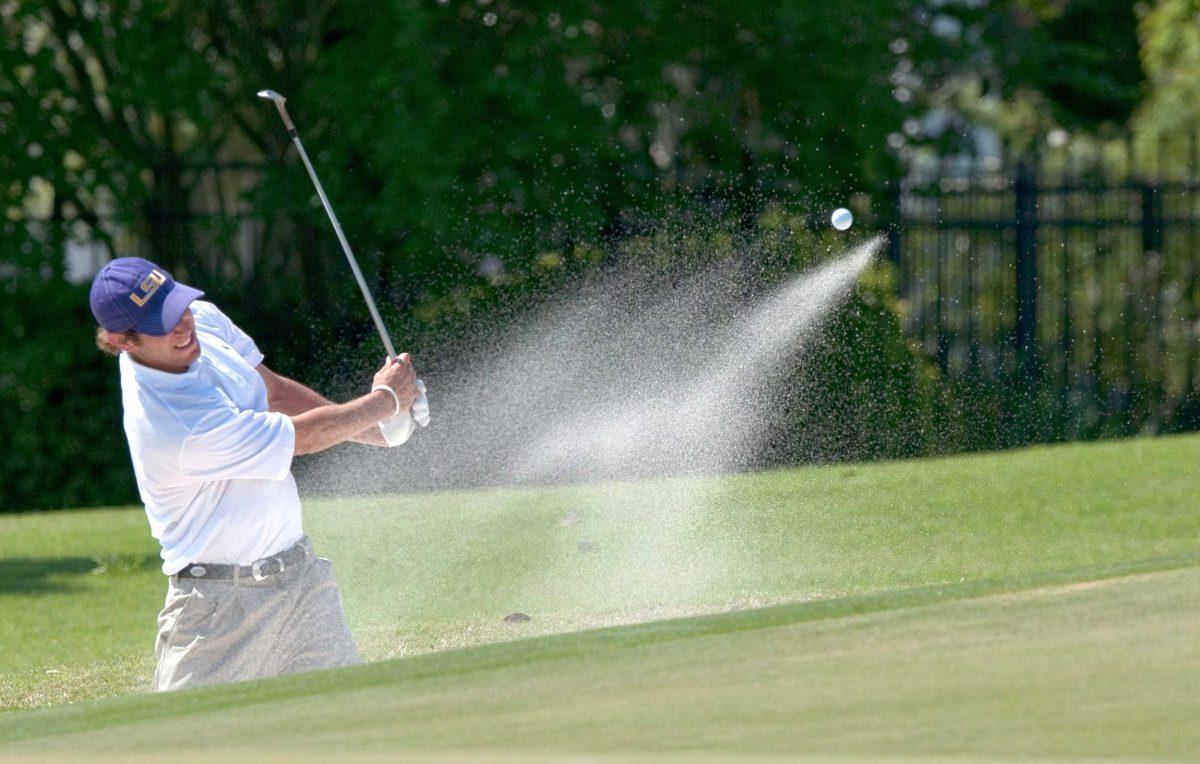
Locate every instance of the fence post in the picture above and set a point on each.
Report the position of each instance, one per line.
(1026, 193)
(1152, 257)
(895, 222)
(1151, 219)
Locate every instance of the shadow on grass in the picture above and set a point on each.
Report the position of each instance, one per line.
(37, 575)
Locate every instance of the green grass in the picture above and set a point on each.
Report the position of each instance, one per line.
(1028, 603)
(1060, 671)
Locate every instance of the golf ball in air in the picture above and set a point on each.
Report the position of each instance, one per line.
(841, 219)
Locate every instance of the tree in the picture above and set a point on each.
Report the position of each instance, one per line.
(1170, 37)
(1024, 67)
(474, 150)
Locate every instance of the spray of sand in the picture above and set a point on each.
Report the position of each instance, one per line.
(709, 416)
(712, 417)
(618, 381)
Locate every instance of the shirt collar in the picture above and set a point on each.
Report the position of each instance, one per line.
(163, 380)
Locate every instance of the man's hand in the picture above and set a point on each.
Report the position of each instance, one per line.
(316, 430)
(398, 374)
(397, 429)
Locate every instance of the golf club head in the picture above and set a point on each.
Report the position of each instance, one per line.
(279, 102)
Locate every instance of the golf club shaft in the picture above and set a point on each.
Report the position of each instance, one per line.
(337, 227)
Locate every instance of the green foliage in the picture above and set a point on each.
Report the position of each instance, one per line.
(62, 442)
(868, 393)
(1082, 58)
(476, 153)
(447, 132)
(1024, 67)
(511, 130)
(1170, 39)
(479, 155)
(102, 102)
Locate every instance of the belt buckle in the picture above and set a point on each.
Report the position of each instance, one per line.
(257, 565)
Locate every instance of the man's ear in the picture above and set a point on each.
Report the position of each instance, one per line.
(122, 340)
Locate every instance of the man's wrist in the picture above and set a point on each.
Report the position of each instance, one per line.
(391, 395)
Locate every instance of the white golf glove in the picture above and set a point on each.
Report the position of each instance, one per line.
(399, 428)
(420, 407)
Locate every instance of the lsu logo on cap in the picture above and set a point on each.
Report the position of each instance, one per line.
(148, 287)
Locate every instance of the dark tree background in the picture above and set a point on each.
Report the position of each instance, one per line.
(478, 150)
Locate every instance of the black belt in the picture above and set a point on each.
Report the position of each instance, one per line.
(257, 570)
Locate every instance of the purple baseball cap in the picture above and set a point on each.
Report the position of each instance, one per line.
(132, 293)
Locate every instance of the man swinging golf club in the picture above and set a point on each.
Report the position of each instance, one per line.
(212, 432)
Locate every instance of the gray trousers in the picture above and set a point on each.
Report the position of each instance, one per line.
(216, 631)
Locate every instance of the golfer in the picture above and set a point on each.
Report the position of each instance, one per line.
(212, 432)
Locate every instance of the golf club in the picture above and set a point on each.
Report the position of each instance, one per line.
(280, 102)
(422, 416)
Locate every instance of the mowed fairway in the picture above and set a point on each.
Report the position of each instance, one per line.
(1033, 603)
(1097, 670)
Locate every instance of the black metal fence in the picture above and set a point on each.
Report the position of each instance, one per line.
(1068, 289)
(1071, 288)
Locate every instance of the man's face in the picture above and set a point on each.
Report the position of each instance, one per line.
(172, 352)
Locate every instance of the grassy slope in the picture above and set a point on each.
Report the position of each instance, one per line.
(1102, 668)
(79, 593)
(434, 571)
(428, 572)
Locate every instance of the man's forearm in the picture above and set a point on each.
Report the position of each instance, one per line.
(319, 428)
(292, 398)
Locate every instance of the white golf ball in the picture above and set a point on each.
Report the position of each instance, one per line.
(842, 219)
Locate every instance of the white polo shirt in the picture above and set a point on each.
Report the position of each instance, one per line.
(213, 465)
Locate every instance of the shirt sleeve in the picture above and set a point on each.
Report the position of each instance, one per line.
(211, 319)
(247, 445)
